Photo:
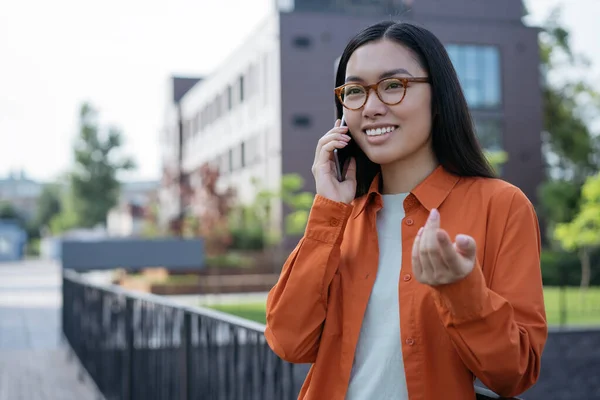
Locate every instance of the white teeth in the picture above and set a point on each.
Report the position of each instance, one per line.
(379, 131)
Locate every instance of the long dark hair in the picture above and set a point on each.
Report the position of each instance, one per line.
(454, 140)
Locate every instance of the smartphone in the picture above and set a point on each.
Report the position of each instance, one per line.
(341, 157)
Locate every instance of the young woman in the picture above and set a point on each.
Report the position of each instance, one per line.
(420, 271)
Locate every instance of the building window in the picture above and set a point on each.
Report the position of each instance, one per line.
(241, 86)
(230, 160)
(302, 42)
(301, 121)
(489, 132)
(229, 98)
(478, 69)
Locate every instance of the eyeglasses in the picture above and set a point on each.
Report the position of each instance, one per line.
(391, 91)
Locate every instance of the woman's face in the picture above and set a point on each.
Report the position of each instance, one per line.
(389, 133)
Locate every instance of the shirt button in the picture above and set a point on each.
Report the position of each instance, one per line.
(409, 221)
(407, 277)
(410, 341)
(334, 222)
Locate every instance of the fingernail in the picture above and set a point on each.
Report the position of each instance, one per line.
(343, 143)
(462, 240)
(433, 215)
(420, 231)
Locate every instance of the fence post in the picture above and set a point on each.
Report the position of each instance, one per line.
(129, 367)
(562, 295)
(186, 347)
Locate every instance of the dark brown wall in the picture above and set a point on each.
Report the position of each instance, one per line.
(307, 76)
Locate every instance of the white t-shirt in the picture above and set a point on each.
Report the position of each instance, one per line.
(378, 369)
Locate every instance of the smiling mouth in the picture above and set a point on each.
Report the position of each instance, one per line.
(380, 131)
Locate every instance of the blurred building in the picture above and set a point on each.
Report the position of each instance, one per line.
(21, 192)
(262, 111)
(127, 217)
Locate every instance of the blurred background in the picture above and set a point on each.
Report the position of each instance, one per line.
(155, 173)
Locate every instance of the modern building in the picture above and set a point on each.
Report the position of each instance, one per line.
(262, 111)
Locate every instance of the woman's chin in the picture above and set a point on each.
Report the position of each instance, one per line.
(382, 158)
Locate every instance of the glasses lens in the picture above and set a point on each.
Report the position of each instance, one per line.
(391, 91)
(354, 96)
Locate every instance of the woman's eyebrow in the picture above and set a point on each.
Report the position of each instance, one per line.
(387, 74)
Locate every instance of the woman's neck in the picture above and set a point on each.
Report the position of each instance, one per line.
(403, 176)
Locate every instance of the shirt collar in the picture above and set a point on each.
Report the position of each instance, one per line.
(431, 192)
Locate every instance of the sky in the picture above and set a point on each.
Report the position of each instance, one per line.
(119, 56)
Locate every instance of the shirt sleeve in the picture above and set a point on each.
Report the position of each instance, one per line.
(297, 304)
(498, 325)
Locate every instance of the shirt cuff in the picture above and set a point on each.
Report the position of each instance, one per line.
(463, 300)
(327, 220)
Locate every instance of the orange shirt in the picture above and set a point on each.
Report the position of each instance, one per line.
(492, 324)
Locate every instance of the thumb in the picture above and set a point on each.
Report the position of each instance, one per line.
(466, 245)
(351, 171)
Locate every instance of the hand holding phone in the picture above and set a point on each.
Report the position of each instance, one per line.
(329, 165)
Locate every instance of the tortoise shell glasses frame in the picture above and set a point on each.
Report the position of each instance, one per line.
(339, 91)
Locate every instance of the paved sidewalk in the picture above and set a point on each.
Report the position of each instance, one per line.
(33, 362)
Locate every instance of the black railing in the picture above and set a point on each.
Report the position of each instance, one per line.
(137, 346)
(141, 346)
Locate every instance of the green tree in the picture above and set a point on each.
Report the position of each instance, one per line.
(299, 203)
(8, 211)
(49, 205)
(496, 158)
(570, 148)
(94, 187)
(582, 233)
(259, 213)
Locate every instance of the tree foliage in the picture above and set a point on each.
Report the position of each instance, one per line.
(94, 185)
(582, 233)
(9, 211)
(48, 205)
(210, 207)
(570, 102)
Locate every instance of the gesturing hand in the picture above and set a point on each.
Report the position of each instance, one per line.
(438, 261)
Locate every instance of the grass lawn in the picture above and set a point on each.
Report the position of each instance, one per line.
(253, 311)
(581, 309)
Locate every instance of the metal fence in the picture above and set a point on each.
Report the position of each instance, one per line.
(137, 346)
(141, 346)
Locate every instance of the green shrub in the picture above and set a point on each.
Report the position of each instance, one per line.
(563, 268)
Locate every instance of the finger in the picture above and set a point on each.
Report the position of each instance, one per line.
(334, 134)
(434, 219)
(416, 261)
(428, 245)
(466, 246)
(431, 228)
(325, 155)
(448, 253)
(435, 263)
(339, 129)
